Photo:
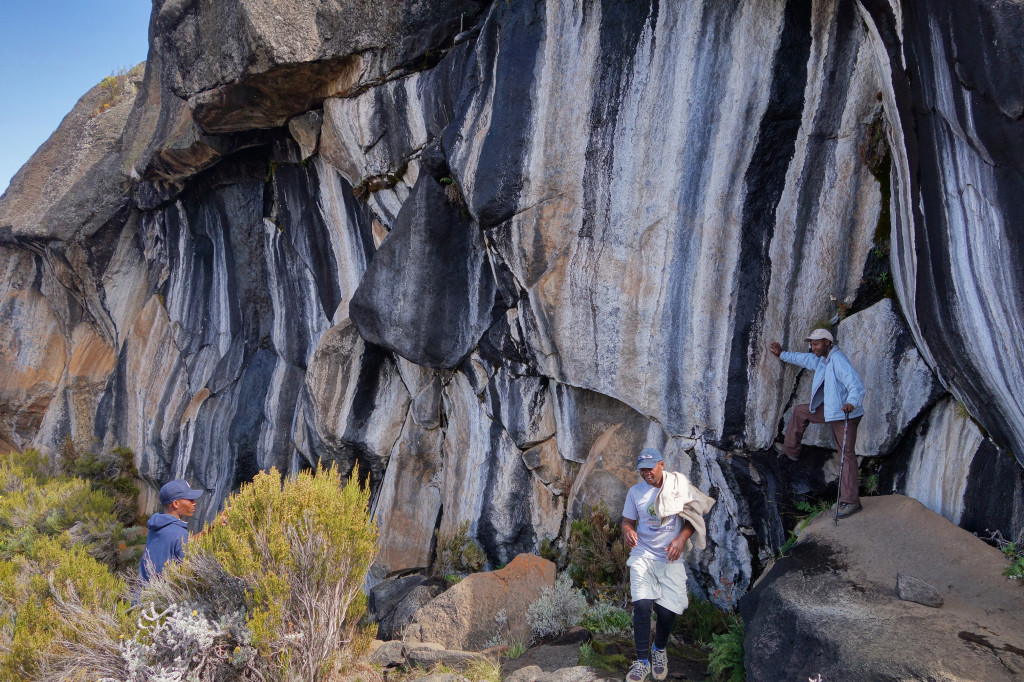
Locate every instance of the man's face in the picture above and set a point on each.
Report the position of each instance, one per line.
(652, 476)
(185, 508)
(820, 347)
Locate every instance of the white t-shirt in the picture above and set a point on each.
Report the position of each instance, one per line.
(653, 534)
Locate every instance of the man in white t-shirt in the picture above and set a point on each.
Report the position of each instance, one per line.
(657, 578)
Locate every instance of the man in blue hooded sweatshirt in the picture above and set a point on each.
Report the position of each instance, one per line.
(168, 532)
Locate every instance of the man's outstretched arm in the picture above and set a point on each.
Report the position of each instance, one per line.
(805, 360)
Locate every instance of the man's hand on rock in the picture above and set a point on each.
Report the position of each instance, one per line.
(848, 408)
(775, 348)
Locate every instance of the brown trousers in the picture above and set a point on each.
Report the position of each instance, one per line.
(802, 416)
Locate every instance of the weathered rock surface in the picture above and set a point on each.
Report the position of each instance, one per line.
(954, 112)
(540, 660)
(276, 61)
(73, 185)
(271, 265)
(464, 616)
(433, 315)
(829, 607)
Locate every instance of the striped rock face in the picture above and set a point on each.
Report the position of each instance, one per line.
(489, 252)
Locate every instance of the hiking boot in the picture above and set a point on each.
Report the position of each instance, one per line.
(778, 448)
(639, 671)
(659, 664)
(848, 509)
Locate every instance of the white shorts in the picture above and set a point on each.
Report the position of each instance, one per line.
(662, 581)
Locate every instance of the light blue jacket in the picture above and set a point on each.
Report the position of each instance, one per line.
(842, 383)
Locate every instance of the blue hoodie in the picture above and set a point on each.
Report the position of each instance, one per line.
(166, 540)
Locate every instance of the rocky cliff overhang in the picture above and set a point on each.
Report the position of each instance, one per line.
(487, 251)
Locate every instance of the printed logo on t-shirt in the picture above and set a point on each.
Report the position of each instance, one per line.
(654, 521)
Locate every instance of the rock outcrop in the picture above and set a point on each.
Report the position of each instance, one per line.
(830, 607)
(486, 251)
(484, 607)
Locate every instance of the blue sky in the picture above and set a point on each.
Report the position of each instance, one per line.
(51, 53)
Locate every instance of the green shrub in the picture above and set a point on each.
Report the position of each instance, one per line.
(703, 620)
(548, 550)
(458, 553)
(810, 511)
(515, 650)
(35, 588)
(1015, 571)
(303, 549)
(597, 554)
(60, 538)
(604, 617)
(558, 608)
(112, 473)
(38, 502)
(726, 659)
(588, 656)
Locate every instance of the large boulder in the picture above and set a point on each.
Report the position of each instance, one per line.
(428, 292)
(74, 183)
(394, 602)
(830, 607)
(464, 617)
(276, 60)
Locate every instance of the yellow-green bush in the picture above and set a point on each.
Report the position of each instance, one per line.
(52, 528)
(32, 626)
(304, 547)
(458, 554)
(34, 505)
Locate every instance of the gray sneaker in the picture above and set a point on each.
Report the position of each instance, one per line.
(659, 664)
(848, 509)
(638, 672)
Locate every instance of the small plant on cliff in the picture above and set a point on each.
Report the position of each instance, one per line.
(458, 553)
(726, 659)
(597, 554)
(809, 512)
(452, 191)
(702, 620)
(112, 88)
(605, 618)
(1015, 571)
(558, 608)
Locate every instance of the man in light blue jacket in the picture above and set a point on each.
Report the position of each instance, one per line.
(837, 392)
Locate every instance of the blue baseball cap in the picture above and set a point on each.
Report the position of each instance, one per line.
(177, 490)
(648, 459)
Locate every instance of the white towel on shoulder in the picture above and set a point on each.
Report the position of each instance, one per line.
(679, 496)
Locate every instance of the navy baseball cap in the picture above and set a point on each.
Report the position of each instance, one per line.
(177, 490)
(648, 459)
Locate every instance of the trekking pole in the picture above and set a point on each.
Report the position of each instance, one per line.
(842, 458)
